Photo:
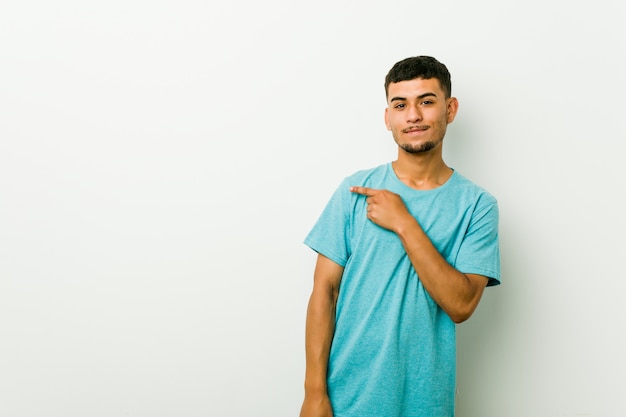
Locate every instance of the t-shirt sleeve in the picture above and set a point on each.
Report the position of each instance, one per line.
(330, 234)
(480, 249)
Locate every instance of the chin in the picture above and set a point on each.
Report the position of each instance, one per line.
(418, 147)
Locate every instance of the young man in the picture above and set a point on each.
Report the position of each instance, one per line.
(405, 251)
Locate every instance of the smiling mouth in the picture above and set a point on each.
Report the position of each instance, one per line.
(415, 129)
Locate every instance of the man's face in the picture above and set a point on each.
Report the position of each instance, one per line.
(418, 114)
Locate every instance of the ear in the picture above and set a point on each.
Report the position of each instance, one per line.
(453, 107)
(387, 119)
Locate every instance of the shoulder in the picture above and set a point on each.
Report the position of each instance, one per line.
(365, 175)
(472, 194)
(462, 183)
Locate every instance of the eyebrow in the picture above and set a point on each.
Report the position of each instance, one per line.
(429, 94)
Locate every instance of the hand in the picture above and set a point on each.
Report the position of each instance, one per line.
(316, 406)
(384, 208)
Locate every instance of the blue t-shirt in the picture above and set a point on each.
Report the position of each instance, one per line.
(393, 352)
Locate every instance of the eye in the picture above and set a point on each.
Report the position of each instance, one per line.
(399, 106)
(427, 102)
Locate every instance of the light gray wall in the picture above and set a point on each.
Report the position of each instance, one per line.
(161, 162)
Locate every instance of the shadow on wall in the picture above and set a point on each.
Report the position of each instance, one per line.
(482, 340)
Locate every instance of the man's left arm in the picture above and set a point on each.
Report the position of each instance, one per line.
(456, 293)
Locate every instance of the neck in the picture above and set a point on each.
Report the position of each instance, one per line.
(421, 171)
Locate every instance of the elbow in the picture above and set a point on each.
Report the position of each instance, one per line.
(463, 307)
(459, 318)
(461, 314)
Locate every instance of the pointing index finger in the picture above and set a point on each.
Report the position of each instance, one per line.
(363, 190)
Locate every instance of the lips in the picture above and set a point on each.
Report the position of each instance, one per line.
(415, 129)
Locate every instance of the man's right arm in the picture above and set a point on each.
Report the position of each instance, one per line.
(320, 327)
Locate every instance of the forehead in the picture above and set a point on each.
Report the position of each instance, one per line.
(414, 88)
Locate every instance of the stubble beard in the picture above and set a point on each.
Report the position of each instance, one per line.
(421, 148)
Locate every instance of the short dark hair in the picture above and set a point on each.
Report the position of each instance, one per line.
(422, 66)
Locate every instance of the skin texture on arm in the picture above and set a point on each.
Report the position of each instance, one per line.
(320, 327)
(456, 293)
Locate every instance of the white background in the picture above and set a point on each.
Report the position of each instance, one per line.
(161, 163)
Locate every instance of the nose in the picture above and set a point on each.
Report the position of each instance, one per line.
(413, 114)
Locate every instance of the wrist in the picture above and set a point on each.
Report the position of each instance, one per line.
(315, 388)
(406, 226)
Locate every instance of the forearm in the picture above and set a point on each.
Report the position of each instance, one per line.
(320, 326)
(456, 293)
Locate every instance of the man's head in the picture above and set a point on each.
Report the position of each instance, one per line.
(420, 106)
(425, 67)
